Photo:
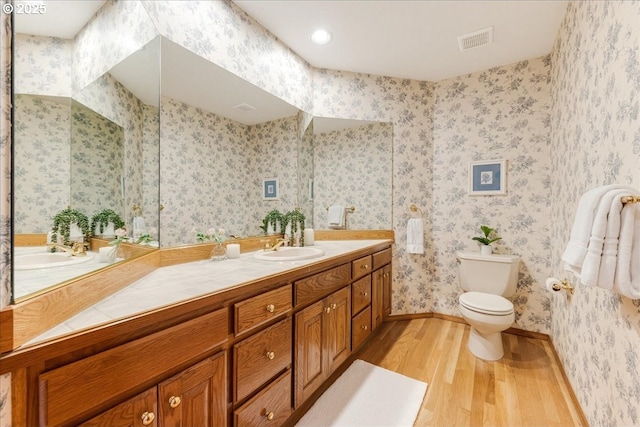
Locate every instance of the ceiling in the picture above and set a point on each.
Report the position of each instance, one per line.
(62, 19)
(411, 39)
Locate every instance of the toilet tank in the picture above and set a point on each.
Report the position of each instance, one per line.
(492, 274)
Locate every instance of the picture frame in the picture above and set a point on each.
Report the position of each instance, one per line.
(270, 189)
(488, 178)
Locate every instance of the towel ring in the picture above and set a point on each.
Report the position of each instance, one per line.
(414, 208)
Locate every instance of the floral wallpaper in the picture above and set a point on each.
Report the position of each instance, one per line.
(364, 184)
(42, 65)
(595, 141)
(5, 196)
(500, 113)
(41, 160)
(151, 168)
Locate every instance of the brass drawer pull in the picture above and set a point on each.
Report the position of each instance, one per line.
(364, 294)
(147, 418)
(271, 355)
(364, 327)
(271, 308)
(270, 416)
(364, 266)
(175, 401)
(334, 306)
(327, 310)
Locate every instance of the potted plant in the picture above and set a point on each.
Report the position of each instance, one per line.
(105, 222)
(67, 220)
(271, 222)
(486, 240)
(295, 220)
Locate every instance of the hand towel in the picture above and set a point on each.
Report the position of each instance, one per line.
(415, 236)
(591, 264)
(627, 277)
(609, 257)
(576, 249)
(139, 226)
(335, 217)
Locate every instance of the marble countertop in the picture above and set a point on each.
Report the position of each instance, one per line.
(182, 282)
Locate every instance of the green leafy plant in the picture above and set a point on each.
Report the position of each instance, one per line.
(296, 219)
(62, 224)
(104, 217)
(273, 218)
(211, 235)
(486, 239)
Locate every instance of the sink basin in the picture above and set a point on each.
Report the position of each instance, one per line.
(48, 260)
(290, 254)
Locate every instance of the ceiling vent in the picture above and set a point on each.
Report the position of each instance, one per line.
(244, 107)
(476, 39)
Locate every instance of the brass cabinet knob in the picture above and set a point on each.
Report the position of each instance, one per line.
(147, 418)
(175, 401)
(327, 310)
(270, 416)
(271, 308)
(271, 355)
(334, 306)
(364, 266)
(364, 327)
(364, 294)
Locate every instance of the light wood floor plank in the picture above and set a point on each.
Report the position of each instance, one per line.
(525, 388)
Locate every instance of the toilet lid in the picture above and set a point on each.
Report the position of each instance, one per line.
(486, 303)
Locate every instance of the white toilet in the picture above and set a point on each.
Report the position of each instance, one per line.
(487, 280)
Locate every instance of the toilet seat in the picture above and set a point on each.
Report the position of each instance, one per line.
(484, 303)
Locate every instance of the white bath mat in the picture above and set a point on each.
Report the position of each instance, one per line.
(367, 395)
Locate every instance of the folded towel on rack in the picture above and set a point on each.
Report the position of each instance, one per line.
(415, 236)
(627, 277)
(576, 249)
(336, 216)
(609, 259)
(607, 216)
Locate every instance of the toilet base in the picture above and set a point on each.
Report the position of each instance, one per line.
(485, 346)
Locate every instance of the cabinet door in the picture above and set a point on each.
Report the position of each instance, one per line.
(337, 332)
(196, 396)
(377, 298)
(308, 352)
(139, 411)
(386, 291)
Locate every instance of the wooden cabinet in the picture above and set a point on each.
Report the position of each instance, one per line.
(386, 291)
(322, 341)
(381, 288)
(194, 397)
(270, 407)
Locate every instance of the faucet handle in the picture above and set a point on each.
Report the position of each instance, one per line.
(267, 243)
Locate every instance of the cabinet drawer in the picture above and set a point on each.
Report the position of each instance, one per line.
(261, 308)
(260, 357)
(381, 258)
(361, 294)
(69, 393)
(361, 328)
(361, 267)
(270, 407)
(322, 284)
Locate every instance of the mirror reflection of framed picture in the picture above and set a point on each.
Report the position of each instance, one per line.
(488, 178)
(270, 189)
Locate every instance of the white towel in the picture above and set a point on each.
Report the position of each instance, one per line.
(627, 277)
(606, 209)
(335, 217)
(415, 236)
(576, 249)
(609, 257)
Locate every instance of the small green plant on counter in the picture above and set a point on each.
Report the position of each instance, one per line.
(103, 218)
(272, 219)
(295, 218)
(486, 239)
(62, 224)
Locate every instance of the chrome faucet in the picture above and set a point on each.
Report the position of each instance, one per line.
(78, 248)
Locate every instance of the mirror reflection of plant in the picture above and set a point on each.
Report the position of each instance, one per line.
(212, 234)
(295, 218)
(273, 218)
(62, 224)
(121, 236)
(104, 217)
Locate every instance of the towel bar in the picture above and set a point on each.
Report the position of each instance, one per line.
(352, 209)
(630, 199)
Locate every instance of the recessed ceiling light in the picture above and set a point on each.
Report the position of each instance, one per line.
(321, 36)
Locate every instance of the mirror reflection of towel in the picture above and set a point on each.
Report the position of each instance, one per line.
(335, 217)
(415, 236)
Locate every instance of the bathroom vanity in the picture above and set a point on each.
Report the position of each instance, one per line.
(257, 349)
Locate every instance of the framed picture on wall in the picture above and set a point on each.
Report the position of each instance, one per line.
(270, 189)
(488, 178)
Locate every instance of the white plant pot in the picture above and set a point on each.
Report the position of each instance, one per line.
(486, 249)
(107, 231)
